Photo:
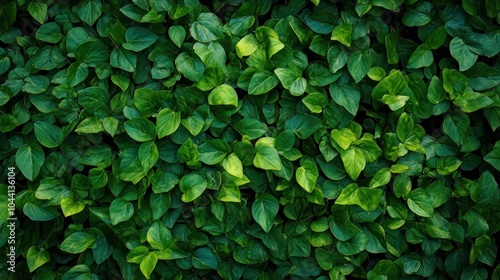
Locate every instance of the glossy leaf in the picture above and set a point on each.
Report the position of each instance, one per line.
(264, 211)
(192, 186)
(77, 242)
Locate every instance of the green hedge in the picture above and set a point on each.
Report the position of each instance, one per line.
(259, 139)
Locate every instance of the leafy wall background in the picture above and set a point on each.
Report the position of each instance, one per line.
(173, 139)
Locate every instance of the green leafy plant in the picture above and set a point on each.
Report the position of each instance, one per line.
(255, 139)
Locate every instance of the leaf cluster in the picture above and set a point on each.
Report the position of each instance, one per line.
(258, 139)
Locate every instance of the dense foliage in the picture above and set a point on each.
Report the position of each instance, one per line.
(259, 139)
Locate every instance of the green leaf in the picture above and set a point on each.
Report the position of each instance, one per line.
(89, 11)
(462, 53)
(71, 206)
(123, 59)
(376, 73)
(79, 272)
(252, 128)
(167, 122)
(392, 85)
(98, 178)
(29, 159)
(239, 24)
(194, 124)
(159, 236)
(391, 42)
(120, 210)
(381, 178)
(320, 225)
(77, 242)
(419, 15)
(148, 264)
(96, 99)
(192, 186)
(358, 64)
(485, 250)
(140, 129)
(315, 102)
(8, 12)
(298, 87)
(493, 157)
(49, 32)
(366, 198)
(133, 12)
(148, 155)
(77, 73)
(340, 225)
(139, 38)
(288, 76)
(212, 55)
(354, 161)
(319, 75)
(188, 153)
(392, 5)
(48, 134)
(303, 125)
(7, 123)
(232, 164)
(261, 82)
(37, 213)
(456, 126)
(267, 158)
(354, 245)
(343, 34)
(36, 84)
(421, 57)
(395, 102)
(137, 254)
(51, 189)
(337, 58)
(48, 57)
(404, 127)
(93, 52)
(205, 258)
(436, 93)
(447, 165)
(343, 137)
(190, 66)
(177, 34)
(473, 272)
(481, 76)
(307, 175)
(472, 101)
(223, 95)
(38, 11)
(264, 211)
(163, 181)
(213, 151)
(420, 203)
(90, 125)
(36, 257)
(454, 82)
(110, 125)
(229, 192)
(206, 28)
(247, 45)
(346, 96)
(436, 39)
(485, 189)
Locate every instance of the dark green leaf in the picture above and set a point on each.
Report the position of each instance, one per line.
(77, 242)
(264, 210)
(29, 159)
(358, 64)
